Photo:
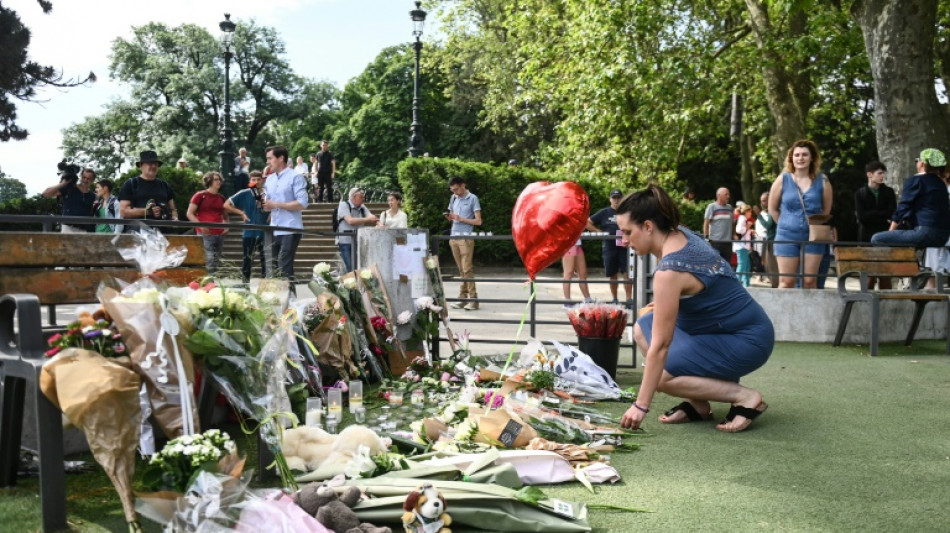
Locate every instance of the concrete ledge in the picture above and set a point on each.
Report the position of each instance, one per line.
(812, 316)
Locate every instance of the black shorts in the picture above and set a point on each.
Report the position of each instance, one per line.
(615, 259)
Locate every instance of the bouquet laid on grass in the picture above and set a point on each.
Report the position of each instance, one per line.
(243, 346)
(601, 320)
(91, 380)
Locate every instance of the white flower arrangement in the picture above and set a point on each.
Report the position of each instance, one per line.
(404, 318)
(196, 450)
(320, 269)
(466, 431)
(419, 432)
(147, 295)
(424, 302)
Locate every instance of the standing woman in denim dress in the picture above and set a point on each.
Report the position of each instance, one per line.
(800, 183)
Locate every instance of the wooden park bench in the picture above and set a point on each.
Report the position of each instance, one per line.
(864, 262)
(29, 278)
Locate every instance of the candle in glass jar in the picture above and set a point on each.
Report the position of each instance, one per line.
(314, 414)
(395, 397)
(418, 397)
(356, 395)
(335, 402)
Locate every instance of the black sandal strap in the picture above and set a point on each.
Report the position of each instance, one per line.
(748, 413)
(691, 413)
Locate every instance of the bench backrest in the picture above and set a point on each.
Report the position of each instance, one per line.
(877, 261)
(28, 262)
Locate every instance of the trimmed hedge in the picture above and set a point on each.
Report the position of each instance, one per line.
(34, 205)
(424, 182)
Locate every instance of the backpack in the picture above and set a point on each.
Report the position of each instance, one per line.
(336, 216)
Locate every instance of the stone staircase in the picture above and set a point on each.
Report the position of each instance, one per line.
(312, 250)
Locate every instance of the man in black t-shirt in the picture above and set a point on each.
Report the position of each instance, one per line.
(146, 196)
(77, 196)
(326, 172)
(614, 252)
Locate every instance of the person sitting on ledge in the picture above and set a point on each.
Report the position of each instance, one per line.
(703, 330)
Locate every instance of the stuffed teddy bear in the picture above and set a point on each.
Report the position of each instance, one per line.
(307, 448)
(334, 513)
(425, 511)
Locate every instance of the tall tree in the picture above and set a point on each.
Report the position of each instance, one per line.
(899, 37)
(11, 189)
(176, 106)
(20, 77)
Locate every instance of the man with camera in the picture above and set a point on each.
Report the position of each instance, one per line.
(145, 196)
(76, 193)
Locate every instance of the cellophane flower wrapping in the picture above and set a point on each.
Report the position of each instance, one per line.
(220, 503)
(600, 320)
(352, 326)
(243, 347)
(326, 325)
(137, 309)
(101, 396)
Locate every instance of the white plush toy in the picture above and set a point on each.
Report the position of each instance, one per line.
(307, 448)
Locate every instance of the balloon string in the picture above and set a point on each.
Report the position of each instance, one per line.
(511, 354)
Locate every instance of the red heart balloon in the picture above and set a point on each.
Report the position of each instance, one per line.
(547, 220)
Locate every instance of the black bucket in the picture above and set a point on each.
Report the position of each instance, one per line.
(603, 351)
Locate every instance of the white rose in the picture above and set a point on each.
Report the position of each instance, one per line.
(320, 269)
(424, 302)
(404, 317)
(366, 274)
(431, 264)
(349, 283)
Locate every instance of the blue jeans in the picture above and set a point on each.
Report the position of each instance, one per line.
(743, 266)
(346, 254)
(920, 237)
(213, 245)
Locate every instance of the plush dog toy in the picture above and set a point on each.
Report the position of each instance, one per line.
(335, 514)
(425, 511)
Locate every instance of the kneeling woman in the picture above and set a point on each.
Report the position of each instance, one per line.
(704, 330)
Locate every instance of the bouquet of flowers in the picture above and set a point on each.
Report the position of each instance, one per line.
(94, 332)
(601, 320)
(356, 310)
(243, 346)
(325, 324)
(173, 468)
(434, 276)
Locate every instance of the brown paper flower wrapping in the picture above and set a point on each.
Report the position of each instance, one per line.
(100, 396)
(335, 349)
(138, 323)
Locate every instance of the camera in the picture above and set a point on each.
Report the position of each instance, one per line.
(258, 195)
(68, 172)
(164, 212)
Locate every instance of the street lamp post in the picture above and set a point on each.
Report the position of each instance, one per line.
(415, 138)
(227, 140)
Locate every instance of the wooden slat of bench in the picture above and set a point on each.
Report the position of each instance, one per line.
(875, 253)
(77, 286)
(25, 249)
(874, 268)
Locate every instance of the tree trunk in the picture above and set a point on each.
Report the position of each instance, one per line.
(786, 91)
(899, 39)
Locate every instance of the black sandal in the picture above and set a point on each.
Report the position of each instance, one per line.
(748, 413)
(692, 415)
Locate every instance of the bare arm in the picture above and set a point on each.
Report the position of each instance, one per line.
(706, 227)
(191, 214)
(54, 191)
(231, 208)
(827, 198)
(590, 226)
(775, 199)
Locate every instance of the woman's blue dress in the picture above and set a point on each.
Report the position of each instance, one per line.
(792, 222)
(721, 332)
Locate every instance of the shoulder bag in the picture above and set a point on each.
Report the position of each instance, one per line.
(818, 228)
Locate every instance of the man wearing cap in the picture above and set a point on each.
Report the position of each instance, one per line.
(615, 252)
(285, 199)
(145, 196)
(719, 224)
(922, 217)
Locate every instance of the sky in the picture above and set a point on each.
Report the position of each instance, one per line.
(332, 40)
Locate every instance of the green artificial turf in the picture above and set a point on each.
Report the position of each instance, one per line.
(849, 443)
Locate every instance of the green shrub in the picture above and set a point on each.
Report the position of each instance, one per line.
(184, 182)
(34, 205)
(424, 182)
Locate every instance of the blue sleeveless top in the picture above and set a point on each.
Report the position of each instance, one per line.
(723, 306)
(791, 219)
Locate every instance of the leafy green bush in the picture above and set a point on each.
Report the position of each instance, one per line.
(184, 183)
(34, 205)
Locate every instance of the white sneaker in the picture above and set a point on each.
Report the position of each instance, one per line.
(457, 305)
(471, 306)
